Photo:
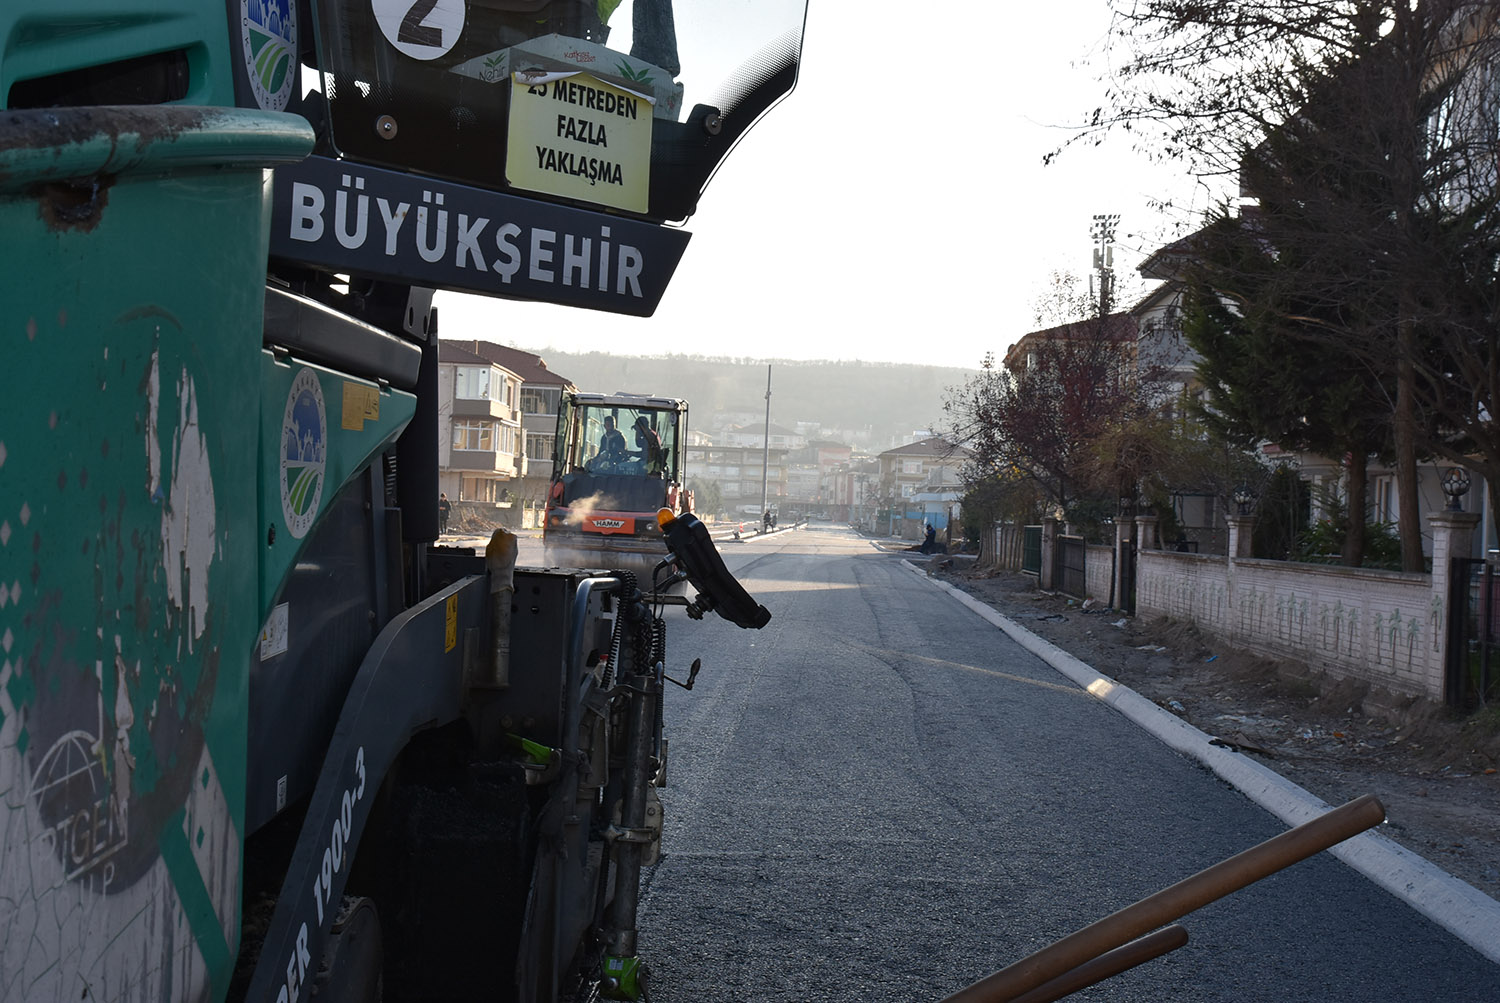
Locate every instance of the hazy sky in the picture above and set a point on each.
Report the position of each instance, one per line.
(895, 206)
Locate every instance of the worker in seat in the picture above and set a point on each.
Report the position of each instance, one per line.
(612, 455)
(648, 447)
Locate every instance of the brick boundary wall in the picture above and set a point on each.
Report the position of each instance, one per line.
(1099, 568)
(1385, 628)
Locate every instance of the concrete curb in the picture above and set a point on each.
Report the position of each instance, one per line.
(1460, 908)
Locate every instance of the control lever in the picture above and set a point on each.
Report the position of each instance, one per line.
(692, 674)
(694, 553)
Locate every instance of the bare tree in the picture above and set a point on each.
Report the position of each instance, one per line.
(1037, 418)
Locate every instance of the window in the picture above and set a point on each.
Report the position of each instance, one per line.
(481, 489)
(1384, 498)
(911, 466)
(472, 383)
(539, 400)
(473, 435)
(507, 439)
(539, 445)
(623, 448)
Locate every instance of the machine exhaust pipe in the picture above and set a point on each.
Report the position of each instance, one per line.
(500, 561)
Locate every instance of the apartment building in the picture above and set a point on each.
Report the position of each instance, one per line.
(540, 397)
(479, 428)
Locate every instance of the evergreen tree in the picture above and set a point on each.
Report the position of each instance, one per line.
(1271, 358)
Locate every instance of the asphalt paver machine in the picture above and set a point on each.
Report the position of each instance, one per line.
(259, 737)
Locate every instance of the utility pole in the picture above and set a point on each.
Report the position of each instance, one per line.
(1103, 233)
(765, 462)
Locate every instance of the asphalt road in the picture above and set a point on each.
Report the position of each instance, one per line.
(881, 797)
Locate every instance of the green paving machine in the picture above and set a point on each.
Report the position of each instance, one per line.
(259, 737)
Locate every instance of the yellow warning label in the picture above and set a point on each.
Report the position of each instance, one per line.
(361, 404)
(450, 635)
(574, 135)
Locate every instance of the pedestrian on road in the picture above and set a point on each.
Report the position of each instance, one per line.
(445, 507)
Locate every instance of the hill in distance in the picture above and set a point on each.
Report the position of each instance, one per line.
(882, 403)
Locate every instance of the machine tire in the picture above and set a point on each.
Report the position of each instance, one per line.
(350, 970)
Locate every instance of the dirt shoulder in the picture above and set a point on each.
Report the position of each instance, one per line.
(1436, 774)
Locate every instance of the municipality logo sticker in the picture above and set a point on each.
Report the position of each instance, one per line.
(268, 41)
(304, 451)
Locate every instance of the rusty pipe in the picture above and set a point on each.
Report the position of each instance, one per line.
(1170, 904)
(1108, 965)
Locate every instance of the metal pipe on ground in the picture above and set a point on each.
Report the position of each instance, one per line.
(1170, 904)
(1108, 965)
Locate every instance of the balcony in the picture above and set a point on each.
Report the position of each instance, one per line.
(483, 460)
(463, 408)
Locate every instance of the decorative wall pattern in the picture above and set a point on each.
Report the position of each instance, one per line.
(1382, 627)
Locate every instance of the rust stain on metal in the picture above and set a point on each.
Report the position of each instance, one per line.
(76, 202)
(57, 127)
(74, 205)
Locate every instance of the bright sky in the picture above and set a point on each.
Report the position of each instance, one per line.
(894, 207)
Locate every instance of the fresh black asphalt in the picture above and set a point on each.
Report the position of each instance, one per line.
(880, 796)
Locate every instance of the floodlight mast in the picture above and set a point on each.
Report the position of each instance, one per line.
(1103, 233)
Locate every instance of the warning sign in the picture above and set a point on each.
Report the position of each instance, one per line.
(575, 136)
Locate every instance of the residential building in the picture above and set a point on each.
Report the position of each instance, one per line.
(719, 419)
(847, 490)
(540, 397)
(808, 469)
(479, 430)
(1116, 333)
(1202, 515)
(753, 435)
(802, 484)
(739, 472)
(917, 468)
(1161, 351)
(940, 499)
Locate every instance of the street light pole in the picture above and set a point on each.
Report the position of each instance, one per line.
(765, 462)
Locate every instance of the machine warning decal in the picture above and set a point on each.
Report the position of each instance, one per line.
(361, 404)
(572, 134)
(450, 627)
(268, 45)
(304, 448)
(421, 29)
(273, 636)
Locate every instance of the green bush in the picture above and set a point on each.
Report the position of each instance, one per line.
(1323, 543)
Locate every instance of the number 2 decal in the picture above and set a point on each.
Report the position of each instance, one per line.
(421, 29)
(414, 31)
